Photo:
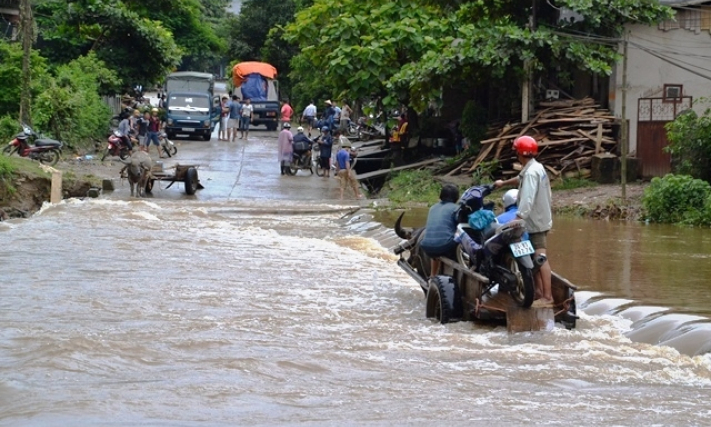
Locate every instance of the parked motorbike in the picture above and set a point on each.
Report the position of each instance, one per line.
(167, 145)
(116, 146)
(45, 150)
(500, 252)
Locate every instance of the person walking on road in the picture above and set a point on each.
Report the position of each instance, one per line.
(309, 116)
(286, 148)
(154, 126)
(326, 144)
(233, 122)
(534, 207)
(286, 112)
(245, 118)
(224, 119)
(344, 170)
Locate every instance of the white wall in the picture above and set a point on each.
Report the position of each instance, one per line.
(647, 74)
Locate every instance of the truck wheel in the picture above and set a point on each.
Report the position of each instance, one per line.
(272, 126)
(191, 181)
(207, 136)
(444, 303)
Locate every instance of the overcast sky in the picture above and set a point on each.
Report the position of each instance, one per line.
(235, 6)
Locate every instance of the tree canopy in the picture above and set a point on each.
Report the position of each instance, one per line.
(405, 50)
(141, 41)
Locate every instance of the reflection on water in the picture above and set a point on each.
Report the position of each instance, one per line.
(652, 264)
(175, 313)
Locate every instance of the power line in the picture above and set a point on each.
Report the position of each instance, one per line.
(673, 62)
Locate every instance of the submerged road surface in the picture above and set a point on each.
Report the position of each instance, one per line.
(257, 303)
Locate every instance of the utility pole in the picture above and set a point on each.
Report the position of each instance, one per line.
(526, 91)
(623, 127)
(27, 37)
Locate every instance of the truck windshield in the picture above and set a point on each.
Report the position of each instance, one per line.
(188, 104)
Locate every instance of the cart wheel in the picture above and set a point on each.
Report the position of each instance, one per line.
(191, 181)
(444, 303)
(149, 185)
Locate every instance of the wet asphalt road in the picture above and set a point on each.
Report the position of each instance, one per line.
(242, 170)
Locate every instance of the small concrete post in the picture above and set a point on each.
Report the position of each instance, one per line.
(529, 319)
(56, 192)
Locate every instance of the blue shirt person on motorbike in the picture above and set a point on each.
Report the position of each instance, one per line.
(441, 224)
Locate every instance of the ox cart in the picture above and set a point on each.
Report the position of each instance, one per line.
(187, 174)
(459, 292)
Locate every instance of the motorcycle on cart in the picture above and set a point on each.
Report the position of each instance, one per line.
(489, 278)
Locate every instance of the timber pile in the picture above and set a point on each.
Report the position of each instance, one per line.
(569, 134)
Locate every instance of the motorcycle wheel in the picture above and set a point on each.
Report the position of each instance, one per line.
(523, 291)
(9, 150)
(105, 153)
(50, 157)
(291, 170)
(169, 150)
(123, 155)
(319, 171)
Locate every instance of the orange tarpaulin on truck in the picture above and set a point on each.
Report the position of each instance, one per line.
(243, 69)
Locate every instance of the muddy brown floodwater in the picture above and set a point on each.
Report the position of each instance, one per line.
(261, 301)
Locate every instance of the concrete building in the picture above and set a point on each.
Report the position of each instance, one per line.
(9, 18)
(668, 71)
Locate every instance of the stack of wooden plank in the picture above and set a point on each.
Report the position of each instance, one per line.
(569, 134)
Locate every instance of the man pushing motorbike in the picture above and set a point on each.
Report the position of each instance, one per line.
(534, 207)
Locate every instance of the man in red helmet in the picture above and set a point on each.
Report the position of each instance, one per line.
(534, 207)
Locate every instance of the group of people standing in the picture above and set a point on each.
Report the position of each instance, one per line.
(344, 156)
(146, 127)
(234, 116)
(333, 117)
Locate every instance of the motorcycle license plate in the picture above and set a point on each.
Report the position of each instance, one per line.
(521, 248)
(188, 130)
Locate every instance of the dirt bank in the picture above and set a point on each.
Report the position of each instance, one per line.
(30, 186)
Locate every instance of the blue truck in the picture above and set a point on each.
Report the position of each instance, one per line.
(257, 81)
(191, 105)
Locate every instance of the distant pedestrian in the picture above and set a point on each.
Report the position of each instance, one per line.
(233, 122)
(309, 116)
(245, 118)
(286, 148)
(154, 126)
(224, 119)
(345, 118)
(286, 112)
(344, 170)
(326, 144)
(143, 123)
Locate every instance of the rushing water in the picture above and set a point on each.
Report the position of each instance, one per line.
(173, 313)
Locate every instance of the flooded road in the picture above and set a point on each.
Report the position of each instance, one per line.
(275, 307)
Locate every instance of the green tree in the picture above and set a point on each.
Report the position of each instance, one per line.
(407, 50)
(69, 105)
(140, 49)
(690, 144)
(10, 72)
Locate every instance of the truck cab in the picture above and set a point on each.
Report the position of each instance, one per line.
(191, 106)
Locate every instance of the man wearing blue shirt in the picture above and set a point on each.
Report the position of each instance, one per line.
(440, 228)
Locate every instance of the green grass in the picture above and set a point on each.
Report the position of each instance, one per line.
(417, 186)
(571, 184)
